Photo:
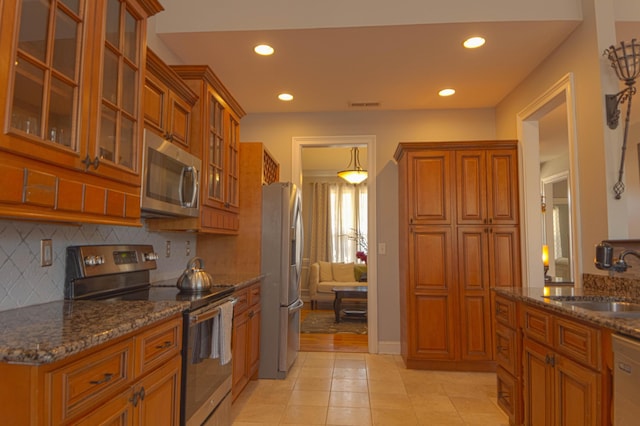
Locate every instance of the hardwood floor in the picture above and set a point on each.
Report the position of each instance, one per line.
(343, 342)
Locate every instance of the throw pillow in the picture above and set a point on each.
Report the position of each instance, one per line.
(360, 270)
(325, 271)
(343, 272)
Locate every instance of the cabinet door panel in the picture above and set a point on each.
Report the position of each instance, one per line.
(40, 189)
(161, 392)
(11, 183)
(435, 321)
(430, 187)
(471, 187)
(475, 331)
(240, 338)
(504, 256)
(154, 102)
(538, 384)
(430, 258)
(506, 348)
(502, 184)
(578, 394)
(473, 258)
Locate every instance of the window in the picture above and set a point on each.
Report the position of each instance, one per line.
(347, 221)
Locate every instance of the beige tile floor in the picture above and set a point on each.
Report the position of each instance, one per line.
(331, 388)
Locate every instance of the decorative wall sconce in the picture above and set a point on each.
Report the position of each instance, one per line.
(354, 172)
(625, 60)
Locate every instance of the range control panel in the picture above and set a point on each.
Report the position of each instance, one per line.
(90, 261)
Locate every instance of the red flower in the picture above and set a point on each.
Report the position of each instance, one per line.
(362, 256)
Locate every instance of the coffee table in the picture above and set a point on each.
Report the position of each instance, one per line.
(356, 292)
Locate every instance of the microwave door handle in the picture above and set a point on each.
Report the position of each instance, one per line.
(194, 193)
(186, 170)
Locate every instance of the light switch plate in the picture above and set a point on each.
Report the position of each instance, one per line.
(46, 252)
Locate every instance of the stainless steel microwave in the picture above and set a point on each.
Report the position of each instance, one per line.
(170, 180)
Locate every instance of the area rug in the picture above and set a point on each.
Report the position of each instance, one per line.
(324, 322)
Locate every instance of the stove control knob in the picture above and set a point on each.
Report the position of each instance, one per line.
(150, 256)
(99, 260)
(91, 260)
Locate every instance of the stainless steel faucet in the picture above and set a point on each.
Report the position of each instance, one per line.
(621, 265)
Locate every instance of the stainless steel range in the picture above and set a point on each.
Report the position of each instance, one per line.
(121, 272)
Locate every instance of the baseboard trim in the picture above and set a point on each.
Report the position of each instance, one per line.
(390, 348)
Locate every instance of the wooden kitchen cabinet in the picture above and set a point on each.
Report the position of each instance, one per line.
(459, 238)
(259, 168)
(132, 380)
(167, 102)
(246, 337)
(72, 129)
(552, 369)
(562, 370)
(508, 355)
(215, 139)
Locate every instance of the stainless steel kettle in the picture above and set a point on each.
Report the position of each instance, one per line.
(195, 278)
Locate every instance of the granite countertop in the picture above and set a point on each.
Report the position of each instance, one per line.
(49, 332)
(535, 296)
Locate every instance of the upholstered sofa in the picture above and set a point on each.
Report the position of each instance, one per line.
(324, 276)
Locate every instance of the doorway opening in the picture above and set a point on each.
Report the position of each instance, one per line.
(333, 145)
(536, 158)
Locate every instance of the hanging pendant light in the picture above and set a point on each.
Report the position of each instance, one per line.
(354, 172)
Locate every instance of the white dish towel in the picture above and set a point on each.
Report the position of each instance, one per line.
(221, 333)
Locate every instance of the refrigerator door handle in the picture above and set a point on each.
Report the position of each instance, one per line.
(296, 306)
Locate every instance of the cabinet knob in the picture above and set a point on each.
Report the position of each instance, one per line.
(88, 163)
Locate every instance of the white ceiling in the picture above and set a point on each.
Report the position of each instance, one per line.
(333, 53)
(376, 52)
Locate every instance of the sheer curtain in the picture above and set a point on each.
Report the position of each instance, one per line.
(348, 207)
(339, 222)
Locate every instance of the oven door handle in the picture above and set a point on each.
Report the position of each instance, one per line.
(206, 313)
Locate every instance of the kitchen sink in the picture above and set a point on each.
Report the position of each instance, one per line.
(609, 306)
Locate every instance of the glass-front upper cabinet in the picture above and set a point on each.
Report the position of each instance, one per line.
(119, 134)
(215, 153)
(47, 40)
(72, 93)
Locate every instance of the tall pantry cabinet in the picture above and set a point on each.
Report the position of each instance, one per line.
(459, 237)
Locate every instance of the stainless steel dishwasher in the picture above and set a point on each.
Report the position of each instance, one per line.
(626, 380)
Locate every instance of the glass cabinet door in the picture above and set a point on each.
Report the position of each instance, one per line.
(118, 136)
(215, 153)
(233, 168)
(46, 71)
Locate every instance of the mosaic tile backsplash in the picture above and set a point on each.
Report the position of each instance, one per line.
(24, 282)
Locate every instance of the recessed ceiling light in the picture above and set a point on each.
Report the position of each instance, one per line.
(263, 49)
(473, 42)
(446, 92)
(285, 97)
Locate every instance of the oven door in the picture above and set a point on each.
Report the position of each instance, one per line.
(206, 382)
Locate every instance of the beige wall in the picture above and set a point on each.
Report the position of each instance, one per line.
(389, 128)
(600, 217)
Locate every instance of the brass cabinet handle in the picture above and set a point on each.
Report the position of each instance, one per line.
(105, 379)
(165, 345)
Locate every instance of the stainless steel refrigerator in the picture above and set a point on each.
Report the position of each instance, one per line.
(281, 266)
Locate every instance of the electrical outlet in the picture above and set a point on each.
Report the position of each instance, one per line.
(46, 252)
(168, 249)
(188, 248)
